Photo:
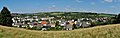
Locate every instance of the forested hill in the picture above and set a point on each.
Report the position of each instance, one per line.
(72, 14)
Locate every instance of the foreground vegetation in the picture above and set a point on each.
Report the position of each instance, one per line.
(107, 31)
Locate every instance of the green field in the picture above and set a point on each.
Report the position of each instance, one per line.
(107, 31)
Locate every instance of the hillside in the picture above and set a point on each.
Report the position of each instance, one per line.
(107, 31)
(68, 14)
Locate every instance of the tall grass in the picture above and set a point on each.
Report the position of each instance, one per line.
(107, 31)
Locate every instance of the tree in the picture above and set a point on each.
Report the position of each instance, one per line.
(5, 17)
(117, 19)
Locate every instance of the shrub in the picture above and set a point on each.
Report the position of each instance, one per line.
(36, 28)
(55, 28)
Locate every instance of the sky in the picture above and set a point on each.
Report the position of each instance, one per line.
(34, 6)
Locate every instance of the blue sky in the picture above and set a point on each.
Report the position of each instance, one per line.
(30, 6)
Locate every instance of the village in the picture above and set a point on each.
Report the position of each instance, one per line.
(51, 22)
(59, 18)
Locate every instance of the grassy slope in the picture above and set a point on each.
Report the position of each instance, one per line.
(107, 31)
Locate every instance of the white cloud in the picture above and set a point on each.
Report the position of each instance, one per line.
(113, 6)
(78, 1)
(118, 0)
(93, 3)
(108, 0)
(53, 5)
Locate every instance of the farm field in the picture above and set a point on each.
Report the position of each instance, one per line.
(106, 31)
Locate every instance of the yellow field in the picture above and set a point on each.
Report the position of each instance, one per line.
(107, 31)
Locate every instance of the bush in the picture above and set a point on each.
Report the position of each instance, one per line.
(36, 28)
(58, 28)
(55, 28)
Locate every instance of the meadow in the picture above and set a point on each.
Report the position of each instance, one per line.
(106, 31)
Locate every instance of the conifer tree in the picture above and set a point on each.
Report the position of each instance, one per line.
(5, 17)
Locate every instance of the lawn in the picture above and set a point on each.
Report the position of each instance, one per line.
(106, 31)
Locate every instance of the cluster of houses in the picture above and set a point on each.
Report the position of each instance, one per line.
(49, 21)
